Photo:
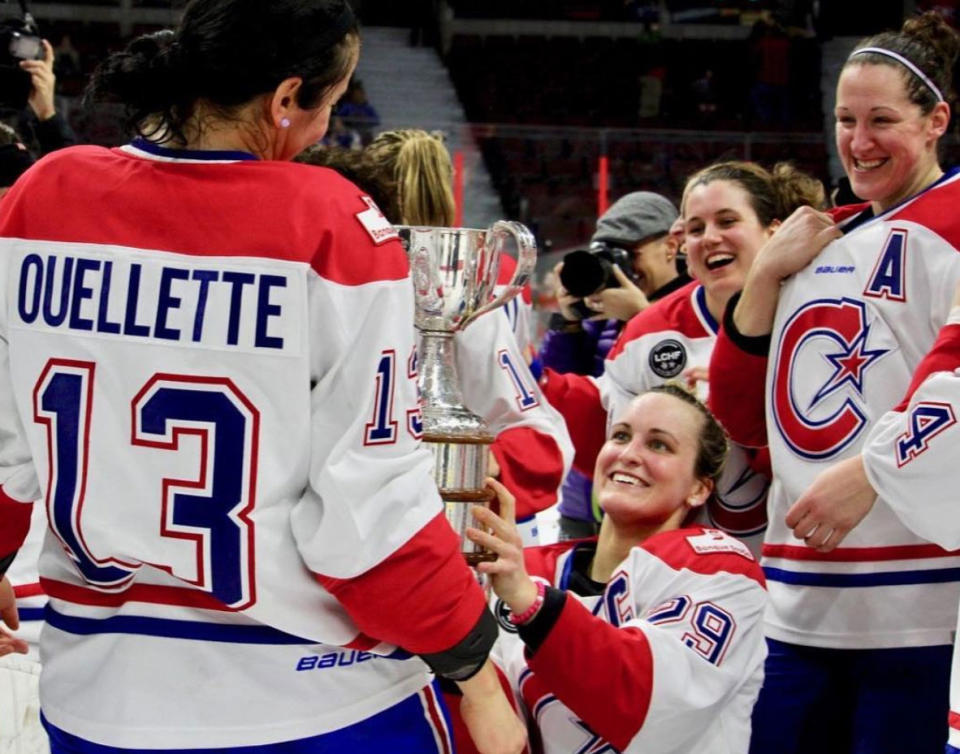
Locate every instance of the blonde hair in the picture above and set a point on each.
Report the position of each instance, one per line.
(407, 172)
(420, 175)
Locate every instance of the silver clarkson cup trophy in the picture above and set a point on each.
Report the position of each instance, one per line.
(454, 274)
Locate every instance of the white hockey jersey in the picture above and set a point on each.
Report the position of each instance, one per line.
(26, 582)
(911, 456)
(532, 446)
(656, 346)
(849, 333)
(669, 658)
(201, 375)
(519, 310)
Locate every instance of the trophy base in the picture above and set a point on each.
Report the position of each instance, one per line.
(458, 504)
(459, 471)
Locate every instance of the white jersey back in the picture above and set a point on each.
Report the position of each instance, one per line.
(217, 422)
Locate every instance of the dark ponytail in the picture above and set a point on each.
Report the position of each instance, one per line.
(226, 53)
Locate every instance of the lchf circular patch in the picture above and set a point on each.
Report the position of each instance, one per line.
(502, 613)
(668, 358)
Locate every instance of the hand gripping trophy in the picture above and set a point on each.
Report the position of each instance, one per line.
(454, 274)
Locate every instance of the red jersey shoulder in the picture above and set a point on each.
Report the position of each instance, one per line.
(542, 560)
(936, 210)
(704, 550)
(262, 209)
(847, 211)
(672, 312)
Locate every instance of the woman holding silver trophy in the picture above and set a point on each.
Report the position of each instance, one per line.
(647, 638)
(241, 531)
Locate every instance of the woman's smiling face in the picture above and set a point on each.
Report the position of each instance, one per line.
(645, 470)
(722, 235)
(886, 144)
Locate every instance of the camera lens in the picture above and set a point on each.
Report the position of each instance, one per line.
(583, 273)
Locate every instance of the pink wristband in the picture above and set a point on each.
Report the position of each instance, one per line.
(530, 613)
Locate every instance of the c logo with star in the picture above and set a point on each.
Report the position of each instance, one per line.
(837, 330)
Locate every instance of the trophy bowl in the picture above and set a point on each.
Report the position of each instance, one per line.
(455, 272)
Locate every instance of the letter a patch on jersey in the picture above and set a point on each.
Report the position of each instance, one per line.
(927, 420)
(889, 276)
(375, 223)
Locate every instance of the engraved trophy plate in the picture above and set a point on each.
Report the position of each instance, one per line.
(454, 273)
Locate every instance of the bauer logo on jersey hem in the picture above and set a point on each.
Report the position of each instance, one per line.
(668, 358)
(375, 223)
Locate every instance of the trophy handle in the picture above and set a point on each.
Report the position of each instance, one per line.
(497, 235)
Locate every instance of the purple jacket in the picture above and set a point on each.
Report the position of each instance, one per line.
(582, 351)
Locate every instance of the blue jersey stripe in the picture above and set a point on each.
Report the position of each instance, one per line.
(30, 613)
(404, 727)
(191, 154)
(885, 578)
(171, 629)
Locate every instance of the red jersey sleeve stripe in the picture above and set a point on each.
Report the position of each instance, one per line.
(422, 598)
(576, 397)
(531, 467)
(737, 385)
(604, 674)
(15, 518)
(943, 357)
(27, 590)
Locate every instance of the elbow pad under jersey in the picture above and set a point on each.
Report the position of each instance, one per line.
(467, 656)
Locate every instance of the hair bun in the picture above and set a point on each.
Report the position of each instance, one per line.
(931, 29)
(795, 189)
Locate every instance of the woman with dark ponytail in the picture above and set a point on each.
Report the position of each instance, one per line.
(844, 305)
(203, 372)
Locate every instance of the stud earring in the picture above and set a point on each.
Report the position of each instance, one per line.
(285, 123)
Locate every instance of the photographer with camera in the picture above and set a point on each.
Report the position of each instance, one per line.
(632, 261)
(40, 118)
(27, 86)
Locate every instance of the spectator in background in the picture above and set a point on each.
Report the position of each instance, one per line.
(705, 98)
(357, 113)
(44, 129)
(67, 67)
(340, 136)
(639, 222)
(770, 53)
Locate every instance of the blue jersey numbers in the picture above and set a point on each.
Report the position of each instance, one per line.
(211, 510)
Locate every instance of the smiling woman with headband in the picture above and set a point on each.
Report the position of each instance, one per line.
(845, 304)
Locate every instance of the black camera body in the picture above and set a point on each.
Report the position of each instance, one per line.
(18, 41)
(587, 272)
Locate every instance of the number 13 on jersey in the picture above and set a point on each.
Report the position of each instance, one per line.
(212, 510)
